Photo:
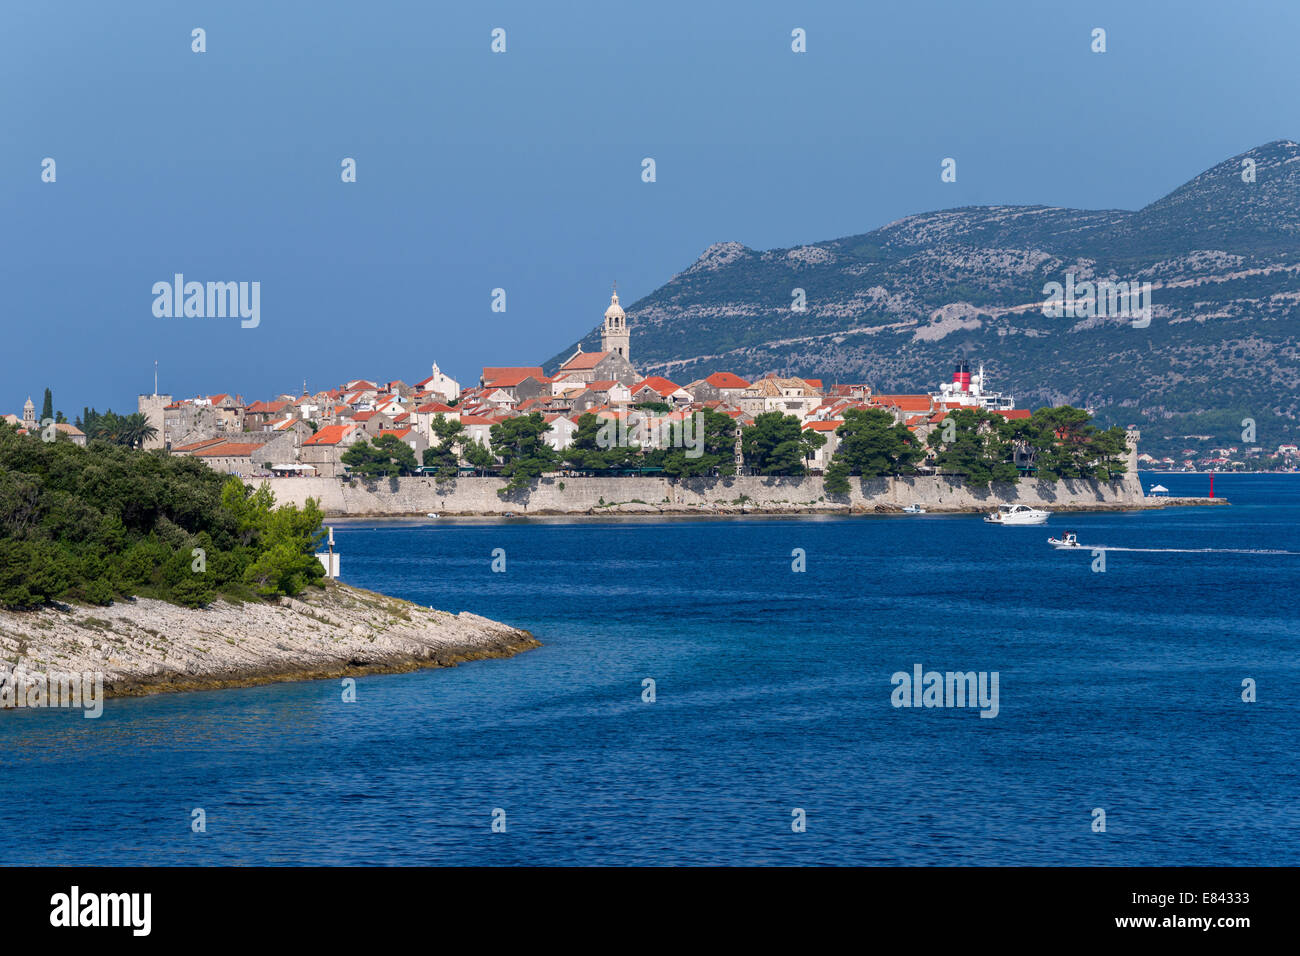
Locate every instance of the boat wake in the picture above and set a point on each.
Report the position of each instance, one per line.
(1104, 547)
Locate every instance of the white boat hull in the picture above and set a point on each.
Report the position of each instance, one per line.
(1019, 516)
(1027, 519)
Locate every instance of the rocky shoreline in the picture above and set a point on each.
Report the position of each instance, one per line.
(148, 646)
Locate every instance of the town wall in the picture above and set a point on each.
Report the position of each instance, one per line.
(755, 494)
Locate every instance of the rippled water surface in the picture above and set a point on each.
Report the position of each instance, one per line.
(1118, 690)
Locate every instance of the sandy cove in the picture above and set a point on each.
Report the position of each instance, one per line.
(147, 646)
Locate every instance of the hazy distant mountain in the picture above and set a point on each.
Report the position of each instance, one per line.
(895, 306)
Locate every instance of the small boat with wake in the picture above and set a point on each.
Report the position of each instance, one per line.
(1068, 540)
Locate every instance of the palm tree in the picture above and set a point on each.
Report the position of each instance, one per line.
(134, 430)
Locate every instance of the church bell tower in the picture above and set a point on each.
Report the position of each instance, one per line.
(614, 336)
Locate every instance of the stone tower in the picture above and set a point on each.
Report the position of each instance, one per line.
(1132, 436)
(151, 407)
(614, 336)
(29, 414)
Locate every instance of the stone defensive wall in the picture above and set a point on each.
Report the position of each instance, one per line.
(749, 494)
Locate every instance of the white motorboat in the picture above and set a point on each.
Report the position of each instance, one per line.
(1017, 515)
(913, 510)
(1068, 540)
(432, 514)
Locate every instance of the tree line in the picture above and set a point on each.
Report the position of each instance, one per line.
(975, 444)
(979, 446)
(105, 522)
(131, 430)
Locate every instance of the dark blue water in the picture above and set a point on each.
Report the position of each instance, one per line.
(1118, 690)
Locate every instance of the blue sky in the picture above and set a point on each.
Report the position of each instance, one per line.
(522, 170)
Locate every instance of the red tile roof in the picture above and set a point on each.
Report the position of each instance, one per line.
(329, 435)
(199, 444)
(656, 384)
(266, 408)
(583, 360)
(726, 380)
(509, 376)
(905, 403)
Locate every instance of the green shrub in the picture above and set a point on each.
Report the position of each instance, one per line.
(102, 521)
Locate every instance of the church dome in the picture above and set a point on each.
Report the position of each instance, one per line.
(615, 311)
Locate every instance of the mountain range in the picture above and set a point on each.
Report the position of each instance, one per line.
(896, 306)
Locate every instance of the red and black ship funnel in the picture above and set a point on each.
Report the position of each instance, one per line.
(961, 376)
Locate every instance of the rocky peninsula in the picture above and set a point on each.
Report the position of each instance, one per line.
(145, 646)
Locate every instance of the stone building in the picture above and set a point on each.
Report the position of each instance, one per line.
(154, 409)
(72, 432)
(718, 387)
(245, 453)
(185, 423)
(259, 413)
(790, 396)
(446, 388)
(614, 336)
(583, 368)
(324, 450)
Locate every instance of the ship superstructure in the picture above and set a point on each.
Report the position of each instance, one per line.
(972, 390)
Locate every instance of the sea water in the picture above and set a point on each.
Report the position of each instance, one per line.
(697, 700)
